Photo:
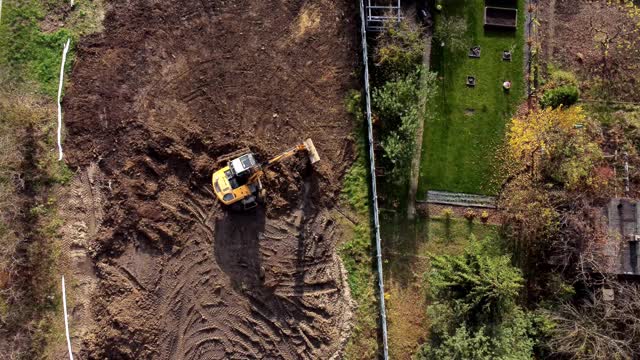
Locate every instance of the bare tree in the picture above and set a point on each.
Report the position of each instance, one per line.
(597, 328)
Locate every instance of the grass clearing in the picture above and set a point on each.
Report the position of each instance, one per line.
(357, 252)
(32, 38)
(407, 248)
(467, 124)
(32, 35)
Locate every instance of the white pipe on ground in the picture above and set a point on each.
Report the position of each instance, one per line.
(64, 59)
(66, 321)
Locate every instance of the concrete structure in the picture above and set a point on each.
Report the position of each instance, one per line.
(623, 216)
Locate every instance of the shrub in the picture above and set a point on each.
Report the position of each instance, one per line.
(353, 103)
(484, 217)
(562, 77)
(566, 95)
(469, 214)
(397, 104)
(391, 101)
(399, 51)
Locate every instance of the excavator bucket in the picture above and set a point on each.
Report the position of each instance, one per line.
(311, 149)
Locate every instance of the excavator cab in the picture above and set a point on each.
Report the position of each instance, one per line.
(242, 169)
(233, 185)
(238, 183)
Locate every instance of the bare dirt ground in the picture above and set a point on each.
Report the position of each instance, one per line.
(166, 89)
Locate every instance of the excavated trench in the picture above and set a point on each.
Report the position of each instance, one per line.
(166, 90)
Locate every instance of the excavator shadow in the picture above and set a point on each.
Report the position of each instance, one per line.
(237, 247)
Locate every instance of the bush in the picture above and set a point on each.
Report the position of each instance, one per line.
(353, 104)
(566, 95)
(399, 51)
(562, 77)
(469, 214)
(397, 105)
(391, 101)
(447, 213)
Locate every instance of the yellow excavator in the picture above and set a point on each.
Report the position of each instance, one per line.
(238, 185)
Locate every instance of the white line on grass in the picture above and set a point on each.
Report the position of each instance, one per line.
(66, 321)
(64, 58)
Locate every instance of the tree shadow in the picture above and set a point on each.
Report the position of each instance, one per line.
(402, 239)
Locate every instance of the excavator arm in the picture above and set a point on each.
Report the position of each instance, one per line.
(306, 145)
(284, 155)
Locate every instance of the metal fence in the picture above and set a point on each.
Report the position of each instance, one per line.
(374, 191)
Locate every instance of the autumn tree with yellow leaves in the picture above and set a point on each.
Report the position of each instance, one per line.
(559, 147)
(551, 159)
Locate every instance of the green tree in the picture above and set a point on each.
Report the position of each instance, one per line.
(399, 106)
(512, 341)
(474, 313)
(463, 344)
(480, 287)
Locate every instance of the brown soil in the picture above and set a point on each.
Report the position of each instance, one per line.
(500, 17)
(155, 99)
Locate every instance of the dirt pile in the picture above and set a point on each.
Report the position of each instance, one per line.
(155, 99)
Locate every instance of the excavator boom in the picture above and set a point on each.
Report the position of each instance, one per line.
(306, 145)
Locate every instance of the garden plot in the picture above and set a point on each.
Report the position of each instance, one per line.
(467, 121)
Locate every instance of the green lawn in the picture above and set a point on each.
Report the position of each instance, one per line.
(467, 124)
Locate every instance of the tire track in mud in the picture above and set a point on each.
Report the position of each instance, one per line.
(251, 303)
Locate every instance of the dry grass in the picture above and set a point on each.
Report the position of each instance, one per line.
(31, 323)
(308, 22)
(29, 307)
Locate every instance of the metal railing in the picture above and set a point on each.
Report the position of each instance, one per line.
(377, 14)
(374, 191)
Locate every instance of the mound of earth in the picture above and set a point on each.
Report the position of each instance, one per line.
(167, 89)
